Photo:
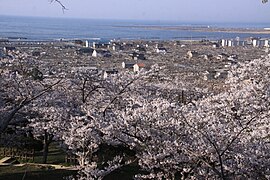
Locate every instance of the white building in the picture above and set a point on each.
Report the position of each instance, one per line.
(161, 50)
(86, 43)
(137, 67)
(101, 53)
(230, 44)
(266, 43)
(223, 42)
(254, 42)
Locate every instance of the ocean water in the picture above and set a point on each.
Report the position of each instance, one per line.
(33, 28)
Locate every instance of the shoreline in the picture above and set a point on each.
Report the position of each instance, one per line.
(202, 29)
(252, 32)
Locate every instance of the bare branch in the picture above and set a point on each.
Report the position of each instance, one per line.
(60, 3)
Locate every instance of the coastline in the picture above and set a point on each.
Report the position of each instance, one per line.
(48, 29)
(201, 29)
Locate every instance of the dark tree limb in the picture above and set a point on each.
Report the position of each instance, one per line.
(7, 116)
(60, 3)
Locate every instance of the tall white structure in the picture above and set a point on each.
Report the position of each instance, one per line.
(230, 43)
(223, 43)
(86, 43)
(254, 42)
(266, 43)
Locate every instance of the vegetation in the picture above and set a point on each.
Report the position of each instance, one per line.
(33, 172)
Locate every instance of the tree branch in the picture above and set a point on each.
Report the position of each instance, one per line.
(6, 119)
(60, 3)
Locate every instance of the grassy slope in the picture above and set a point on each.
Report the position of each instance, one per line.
(32, 173)
(57, 156)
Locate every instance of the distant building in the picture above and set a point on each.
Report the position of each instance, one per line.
(127, 65)
(234, 42)
(101, 53)
(137, 56)
(85, 51)
(266, 43)
(191, 54)
(230, 43)
(140, 49)
(161, 50)
(117, 47)
(215, 45)
(255, 42)
(9, 48)
(223, 42)
(136, 67)
(79, 42)
(109, 73)
(86, 43)
(100, 45)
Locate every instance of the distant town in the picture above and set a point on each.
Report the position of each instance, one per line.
(204, 60)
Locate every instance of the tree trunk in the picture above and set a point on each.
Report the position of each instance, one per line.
(45, 152)
(46, 142)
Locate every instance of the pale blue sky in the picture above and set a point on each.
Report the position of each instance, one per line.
(175, 10)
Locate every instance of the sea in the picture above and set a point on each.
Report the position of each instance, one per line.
(48, 29)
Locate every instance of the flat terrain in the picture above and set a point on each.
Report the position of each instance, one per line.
(204, 29)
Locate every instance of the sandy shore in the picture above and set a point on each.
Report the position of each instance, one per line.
(203, 29)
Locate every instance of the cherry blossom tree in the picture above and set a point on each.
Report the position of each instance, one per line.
(19, 88)
(56, 112)
(95, 124)
(223, 135)
(220, 136)
(46, 124)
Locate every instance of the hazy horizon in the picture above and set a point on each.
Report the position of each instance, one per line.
(229, 11)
